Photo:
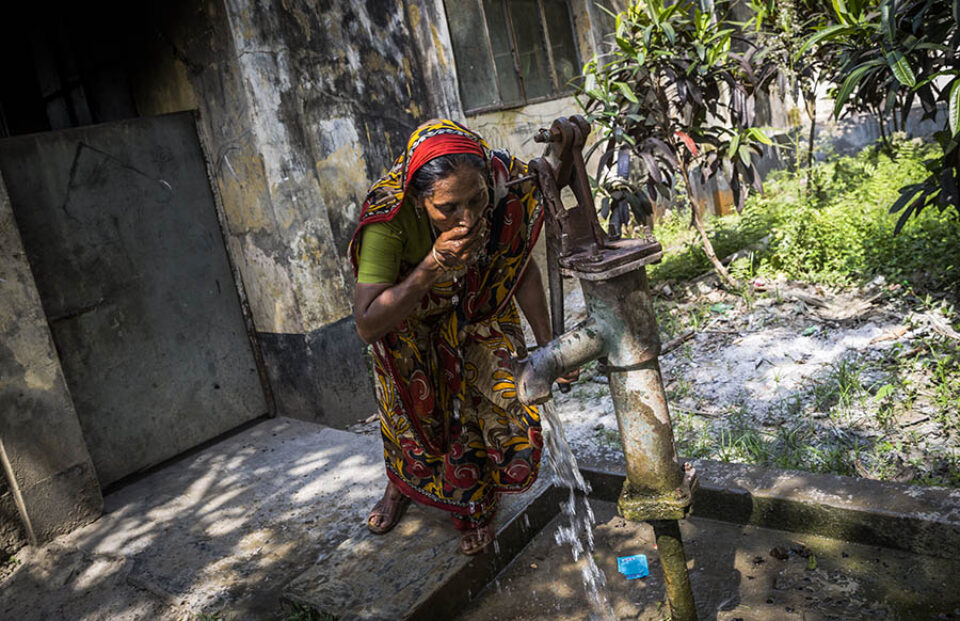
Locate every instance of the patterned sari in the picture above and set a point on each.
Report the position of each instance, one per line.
(454, 433)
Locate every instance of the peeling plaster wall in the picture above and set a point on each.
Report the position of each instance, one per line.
(428, 24)
(514, 129)
(303, 104)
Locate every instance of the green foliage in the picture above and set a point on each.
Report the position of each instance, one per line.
(884, 55)
(842, 236)
(834, 233)
(660, 92)
(293, 611)
(678, 94)
(685, 259)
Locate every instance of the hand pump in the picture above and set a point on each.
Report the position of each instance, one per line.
(622, 328)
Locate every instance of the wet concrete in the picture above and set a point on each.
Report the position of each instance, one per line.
(737, 572)
(913, 518)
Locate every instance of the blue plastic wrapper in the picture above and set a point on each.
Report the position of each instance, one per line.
(633, 567)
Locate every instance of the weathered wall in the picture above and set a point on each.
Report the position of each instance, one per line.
(515, 128)
(303, 105)
(50, 476)
(154, 349)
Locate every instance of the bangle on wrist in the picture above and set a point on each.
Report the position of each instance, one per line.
(436, 258)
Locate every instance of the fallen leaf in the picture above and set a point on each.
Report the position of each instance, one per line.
(780, 553)
(889, 336)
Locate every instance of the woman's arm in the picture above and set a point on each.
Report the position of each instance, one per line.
(379, 308)
(533, 303)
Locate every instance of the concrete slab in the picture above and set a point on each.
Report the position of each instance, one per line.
(913, 518)
(737, 572)
(414, 572)
(50, 486)
(218, 532)
(223, 531)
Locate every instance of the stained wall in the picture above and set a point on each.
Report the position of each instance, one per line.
(303, 105)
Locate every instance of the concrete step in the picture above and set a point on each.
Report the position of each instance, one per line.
(220, 531)
(415, 571)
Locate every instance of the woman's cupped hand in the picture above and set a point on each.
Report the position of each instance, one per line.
(460, 245)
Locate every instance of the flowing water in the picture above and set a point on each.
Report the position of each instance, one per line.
(576, 528)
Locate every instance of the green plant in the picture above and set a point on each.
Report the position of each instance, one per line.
(884, 54)
(609, 438)
(847, 377)
(782, 27)
(677, 94)
(293, 611)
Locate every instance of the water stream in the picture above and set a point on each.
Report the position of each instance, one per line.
(576, 528)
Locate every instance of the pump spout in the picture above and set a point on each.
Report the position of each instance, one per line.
(537, 372)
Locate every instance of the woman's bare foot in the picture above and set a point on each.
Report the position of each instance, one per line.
(388, 510)
(474, 541)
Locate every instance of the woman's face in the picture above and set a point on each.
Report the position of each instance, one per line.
(459, 199)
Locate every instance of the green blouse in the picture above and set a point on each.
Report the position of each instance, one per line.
(386, 246)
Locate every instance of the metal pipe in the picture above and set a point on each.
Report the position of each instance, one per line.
(536, 373)
(675, 575)
(622, 328)
(645, 430)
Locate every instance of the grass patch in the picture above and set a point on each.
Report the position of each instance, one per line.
(835, 230)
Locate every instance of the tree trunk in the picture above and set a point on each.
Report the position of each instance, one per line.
(883, 132)
(697, 218)
(810, 104)
(708, 249)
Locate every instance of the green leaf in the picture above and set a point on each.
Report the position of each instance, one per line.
(670, 32)
(840, 8)
(901, 68)
(885, 391)
(734, 145)
(830, 32)
(627, 91)
(759, 136)
(954, 107)
(887, 19)
(812, 562)
(701, 51)
(626, 46)
(848, 85)
(590, 82)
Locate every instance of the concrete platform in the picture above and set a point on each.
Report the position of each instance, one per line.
(737, 572)
(414, 572)
(218, 532)
(912, 518)
(223, 532)
(275, 515)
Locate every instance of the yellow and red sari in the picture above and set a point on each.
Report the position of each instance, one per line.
(454, 433)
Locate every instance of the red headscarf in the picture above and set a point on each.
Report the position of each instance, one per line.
(437, 146)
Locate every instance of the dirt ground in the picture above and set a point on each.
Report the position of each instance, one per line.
(858, 382)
